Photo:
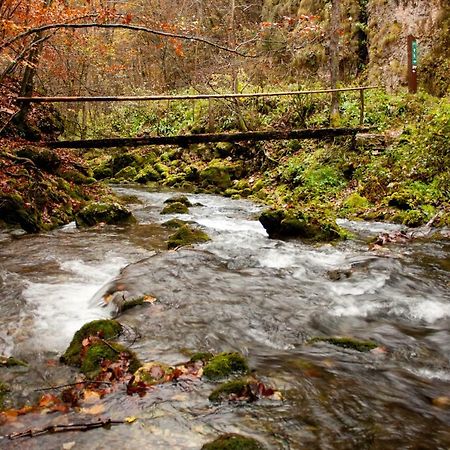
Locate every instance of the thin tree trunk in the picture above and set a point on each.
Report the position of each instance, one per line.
(334, 61)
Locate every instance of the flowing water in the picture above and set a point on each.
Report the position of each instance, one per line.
(238, 292)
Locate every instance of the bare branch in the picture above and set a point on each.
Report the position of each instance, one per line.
(185, 37)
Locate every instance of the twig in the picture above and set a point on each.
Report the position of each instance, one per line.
(72, 384)
(62, 428)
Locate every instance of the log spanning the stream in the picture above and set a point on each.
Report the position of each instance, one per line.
(188, 139)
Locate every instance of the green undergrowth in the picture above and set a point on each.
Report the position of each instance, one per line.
(399, 172)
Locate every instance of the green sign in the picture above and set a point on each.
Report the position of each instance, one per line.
(414, 53)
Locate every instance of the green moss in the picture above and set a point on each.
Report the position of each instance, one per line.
(127, 173)
(347, 342)
(174, 223)
(280, 224)
(238, 388)
(355, 203)
(123, 160)
(201, 356)
(186, 235)
(99, 352)
(14, 212)
(103, 212)
(3, 392)
(218, 176)
(224, 365)
(106, 329)
(179, 199)
(11, 362)
(148, 173)
(233, 442)
(175, 208)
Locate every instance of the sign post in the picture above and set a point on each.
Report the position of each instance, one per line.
(412, 64)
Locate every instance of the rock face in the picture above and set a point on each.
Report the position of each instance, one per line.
(98, 212)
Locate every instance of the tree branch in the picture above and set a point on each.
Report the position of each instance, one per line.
(185, 37)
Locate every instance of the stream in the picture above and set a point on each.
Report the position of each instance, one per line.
(238, 292)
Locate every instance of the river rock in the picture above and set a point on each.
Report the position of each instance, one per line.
(233, 442)
(103, 212)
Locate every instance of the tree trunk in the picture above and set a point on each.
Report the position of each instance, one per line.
(334, 61)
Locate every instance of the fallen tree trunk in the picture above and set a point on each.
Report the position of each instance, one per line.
(187, 139)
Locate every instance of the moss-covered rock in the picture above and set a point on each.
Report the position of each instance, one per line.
(122, 161)
(106, 329)
(201, 356)
(225, 364)
(3, 392)
(347, 342)
(294, 224)
(127, 173)
(13, 211)
(179, 199)
(103, 212)
(99, 352)
(175, 208)
(239, 388)
(174, 223)
(103, 171)
(218, 176)
(147, 174)
(186, 235)
(233, 442)
(45, 159)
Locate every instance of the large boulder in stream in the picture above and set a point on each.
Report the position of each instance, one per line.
(280, 224)
(103, 212)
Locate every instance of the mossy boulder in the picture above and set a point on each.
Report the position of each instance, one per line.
(106, 329)
(13, 211)
(127, 173)
(174, 224)
(186, 235)
(123, 160)
(225, 364)
(175, 208)
(103, 212)
(201, 356)
(233, 442)
(347, 342)
(281, 224)
(234, 389)
(103, 171)
(179, 199)
(355, 203)
(147, 174)
(43, 158)
(218, 176)
(99, 352)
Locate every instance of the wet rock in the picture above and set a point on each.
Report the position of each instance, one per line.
(107, 329)
(225, 364)
(154, 373)
(179, 199)
(103, 212)
(347, 342)
(233, 442)
(442, 402)
(339, 274)
(186, 235)
(281, 224)
(175, 208)
(233, 390)
(13, 211)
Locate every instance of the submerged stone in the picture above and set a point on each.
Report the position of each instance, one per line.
(233, 442)
(106, 329)
(103, 212)
(175, 208)
(186, 235)
(347, 342)
(232, 389)
(225, 364)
